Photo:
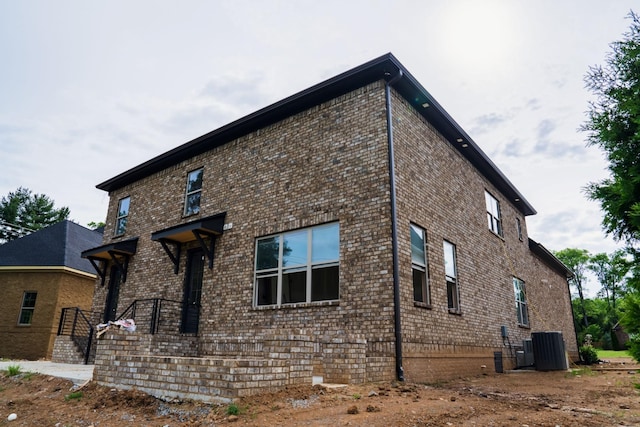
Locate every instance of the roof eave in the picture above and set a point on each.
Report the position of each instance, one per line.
(383, 67)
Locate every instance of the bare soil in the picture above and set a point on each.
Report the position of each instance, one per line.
(603, 395)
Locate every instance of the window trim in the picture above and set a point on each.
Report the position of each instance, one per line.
(24, 308)
(521, 306)
(452, 280)
(423, 268)
(188, 193)
(122, 219)
(280, 271)
(493, 222)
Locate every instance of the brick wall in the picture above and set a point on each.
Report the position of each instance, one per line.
(439, 190)
(328, 164)
(325, 164)
(56, 288)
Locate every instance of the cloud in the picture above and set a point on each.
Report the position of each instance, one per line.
(487, 122)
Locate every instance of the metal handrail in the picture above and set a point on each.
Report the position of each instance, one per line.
(79, 328)
(148, 312)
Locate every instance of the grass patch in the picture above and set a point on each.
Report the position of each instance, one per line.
(612, 354)
(13, 370)
(73, 396)
(582, 372)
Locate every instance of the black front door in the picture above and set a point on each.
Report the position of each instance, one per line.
(192, 291)
(111, 306)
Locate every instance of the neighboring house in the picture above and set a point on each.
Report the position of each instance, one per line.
(351, 232)
(40, 274)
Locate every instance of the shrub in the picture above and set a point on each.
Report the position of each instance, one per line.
(634, 348)
(589, 355)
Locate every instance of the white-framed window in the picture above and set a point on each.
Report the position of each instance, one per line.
(299, 266)
(193, 192)
(493, 213)
(27, 308)
(419, 265)
(122, 216)
(521, 302)
(451, 277)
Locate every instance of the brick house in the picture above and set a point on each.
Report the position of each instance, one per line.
(351, 232)
(40, 274)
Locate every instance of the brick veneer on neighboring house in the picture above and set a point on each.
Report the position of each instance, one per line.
(46, 263)
(322, 157)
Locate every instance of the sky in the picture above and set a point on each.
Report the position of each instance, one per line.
(90, 89)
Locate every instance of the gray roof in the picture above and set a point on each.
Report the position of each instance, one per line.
(58, 245)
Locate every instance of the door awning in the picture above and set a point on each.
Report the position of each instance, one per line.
(117, 252)
(187, 232)
(211, 227)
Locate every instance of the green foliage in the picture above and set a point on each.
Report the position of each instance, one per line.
(24, 211)
(73, 396)
(577, 261)
(614, 125)
(13, 370)
(589, 355)
(94, 225)
(233, 409)
(634, 348)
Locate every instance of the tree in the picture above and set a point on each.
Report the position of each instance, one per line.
(614, 125)
(22, 211)
(610, 270)
(577, 261)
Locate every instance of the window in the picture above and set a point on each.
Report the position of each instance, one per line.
(193, 192)
(28, 306)
(493, 213)
(519, 228)
(419, 266)
(123, 214)
(521, 302)
(298, 266)
(451, 276)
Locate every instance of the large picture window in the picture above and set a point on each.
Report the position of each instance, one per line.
(493, 213)
(419, 266)
(298, 266)
(193, 192)
(451, 277)
(27, 308)
(521, 302)
(122, 216)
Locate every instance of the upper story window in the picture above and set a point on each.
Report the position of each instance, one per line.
(419, 265)
(451, 277)
(298, 266)
(493, 213)
(519, 229)
(521, 302)
(123, 214)
(27, 308)
(193, 192)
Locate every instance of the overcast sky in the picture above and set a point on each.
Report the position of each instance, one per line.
(90, 89)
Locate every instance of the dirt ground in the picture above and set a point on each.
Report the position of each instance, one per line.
(604, 395)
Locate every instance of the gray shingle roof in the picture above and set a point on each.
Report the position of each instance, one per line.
(58, 245)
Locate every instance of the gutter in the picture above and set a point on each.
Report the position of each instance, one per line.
(394, 227)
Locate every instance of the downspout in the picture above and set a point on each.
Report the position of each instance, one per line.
(394, 230)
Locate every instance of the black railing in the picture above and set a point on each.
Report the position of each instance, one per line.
(75, 324)
(155, 315)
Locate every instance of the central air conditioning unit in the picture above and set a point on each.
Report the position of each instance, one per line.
(524, 357)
